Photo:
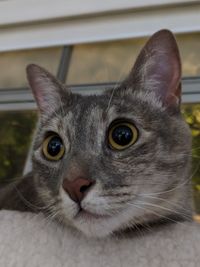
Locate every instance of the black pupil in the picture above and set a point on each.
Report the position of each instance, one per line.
(122, 135)
(54, 146)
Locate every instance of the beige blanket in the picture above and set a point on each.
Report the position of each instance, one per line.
(28, 240)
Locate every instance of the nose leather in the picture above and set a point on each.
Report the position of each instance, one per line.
(78, 188)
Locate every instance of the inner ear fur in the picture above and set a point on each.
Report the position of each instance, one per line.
(158, 69)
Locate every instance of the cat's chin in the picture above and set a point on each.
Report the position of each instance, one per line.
(93, 229)
(87, 215)
(92, 224)
(98, 226)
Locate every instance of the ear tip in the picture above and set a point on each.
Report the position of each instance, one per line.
(32, 68)
(165, 31)
(164, 34)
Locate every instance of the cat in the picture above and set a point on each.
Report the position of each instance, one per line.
(103, 164)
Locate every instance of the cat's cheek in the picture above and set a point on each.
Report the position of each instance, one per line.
(40, 164)
(69, 207)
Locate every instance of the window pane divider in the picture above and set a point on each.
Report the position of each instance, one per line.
(64, 63)
(22, 98)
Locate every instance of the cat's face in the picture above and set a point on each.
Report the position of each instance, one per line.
(105, 163)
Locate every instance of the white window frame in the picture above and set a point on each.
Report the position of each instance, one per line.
(41, 23)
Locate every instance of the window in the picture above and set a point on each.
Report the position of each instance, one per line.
(102, 42)
(112, 61)
(13, 65)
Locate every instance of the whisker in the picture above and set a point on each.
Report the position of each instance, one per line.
(52, 214)
(115, 87)
(186, 216)
(157, 214)
(178, 186)
(167, 201)
(29, 204)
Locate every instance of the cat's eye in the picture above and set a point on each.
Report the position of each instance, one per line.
(121, 135)
(53, 148)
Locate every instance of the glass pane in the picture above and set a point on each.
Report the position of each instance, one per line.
(112, 61)
(189, 45)
(13, 64)
(15, 137)
(192, 116)
(103, 62)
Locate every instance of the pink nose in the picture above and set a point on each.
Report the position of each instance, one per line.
(77, 188)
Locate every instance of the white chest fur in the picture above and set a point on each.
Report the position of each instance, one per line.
(27, 240)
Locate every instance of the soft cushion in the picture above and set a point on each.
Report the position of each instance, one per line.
(29, 240)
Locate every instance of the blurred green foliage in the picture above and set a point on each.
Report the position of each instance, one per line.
(192, 116)
(191, 113)
(15, 137)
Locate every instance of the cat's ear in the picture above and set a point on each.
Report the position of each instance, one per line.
(47, 90)
(158, 69)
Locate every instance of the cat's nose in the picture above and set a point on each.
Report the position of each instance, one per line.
(78, 188)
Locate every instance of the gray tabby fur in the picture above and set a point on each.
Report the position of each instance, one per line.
(147, 183)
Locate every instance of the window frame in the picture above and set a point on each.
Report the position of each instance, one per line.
(29, 24)
(22, 99)
(36, 10)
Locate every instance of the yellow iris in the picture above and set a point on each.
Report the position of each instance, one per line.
(53, 148)
(122, 135)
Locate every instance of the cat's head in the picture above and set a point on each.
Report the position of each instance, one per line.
(104, 163)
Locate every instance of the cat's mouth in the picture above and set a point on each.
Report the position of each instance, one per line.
(87, 215)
